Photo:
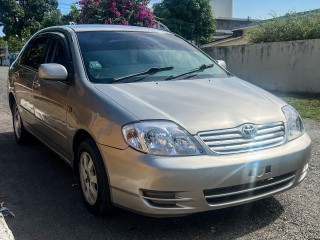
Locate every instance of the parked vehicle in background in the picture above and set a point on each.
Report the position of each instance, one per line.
(12, 56)
(152, 124)
(4, 56)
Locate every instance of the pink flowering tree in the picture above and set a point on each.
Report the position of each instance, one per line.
(121, 12)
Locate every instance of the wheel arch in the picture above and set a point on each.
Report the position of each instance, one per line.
(80, 136)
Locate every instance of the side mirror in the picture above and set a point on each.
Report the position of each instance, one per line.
(222, 64)
(53, 71)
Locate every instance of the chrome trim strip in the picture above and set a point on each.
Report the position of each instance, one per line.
(250, 189)
(238, 141)
(252, 198)
(247, 145)
(168, 200)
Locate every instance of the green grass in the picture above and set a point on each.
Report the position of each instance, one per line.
(308, 105)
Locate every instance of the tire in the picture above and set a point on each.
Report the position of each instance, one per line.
(20, 133)
(93, 180)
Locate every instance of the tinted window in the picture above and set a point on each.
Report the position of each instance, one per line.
(110, 55)
(59, 54)
(35, 53)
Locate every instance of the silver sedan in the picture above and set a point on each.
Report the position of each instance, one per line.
(152, 124)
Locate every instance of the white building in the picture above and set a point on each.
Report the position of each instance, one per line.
(222, 8)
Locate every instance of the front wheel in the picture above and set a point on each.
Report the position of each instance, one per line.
(93, 179)
(20, 133)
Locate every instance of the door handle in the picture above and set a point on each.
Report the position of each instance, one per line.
(36, 84)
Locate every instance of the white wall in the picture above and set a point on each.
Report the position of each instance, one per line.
(283, 66)
(222, 8)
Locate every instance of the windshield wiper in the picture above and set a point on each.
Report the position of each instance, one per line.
(198, 69)
(150, 71)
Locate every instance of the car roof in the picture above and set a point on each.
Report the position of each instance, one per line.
(107, 27)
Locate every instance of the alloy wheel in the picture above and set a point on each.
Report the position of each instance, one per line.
(17, 122)
(88, 178)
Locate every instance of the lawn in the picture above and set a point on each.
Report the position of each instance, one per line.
(308, 105)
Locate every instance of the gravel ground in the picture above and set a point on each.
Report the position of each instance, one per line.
(39, 188)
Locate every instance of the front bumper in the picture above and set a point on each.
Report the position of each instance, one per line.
(172, 186)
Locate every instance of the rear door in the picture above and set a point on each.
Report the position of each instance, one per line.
(51, 98)
(24, 74)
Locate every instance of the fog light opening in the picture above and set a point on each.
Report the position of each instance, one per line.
(159, 199)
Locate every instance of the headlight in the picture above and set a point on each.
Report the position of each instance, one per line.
(160, 138)
(294, 122)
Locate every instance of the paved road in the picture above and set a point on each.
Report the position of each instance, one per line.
(40, 189)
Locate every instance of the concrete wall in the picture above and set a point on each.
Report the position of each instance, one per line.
(222, 8)
(283, 66)
(234, 23)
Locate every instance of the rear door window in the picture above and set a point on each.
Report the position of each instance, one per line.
(35, 53)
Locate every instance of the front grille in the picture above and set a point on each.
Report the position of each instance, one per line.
(229, 195)
(231, 141)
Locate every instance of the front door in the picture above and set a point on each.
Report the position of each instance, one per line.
(51, 100)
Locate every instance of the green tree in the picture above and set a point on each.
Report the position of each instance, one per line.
(3, 45)
(72, 16)
(293, 26)
(3, 42)
(15, 44)
(53, 18)
(24, 14)
(192, 19)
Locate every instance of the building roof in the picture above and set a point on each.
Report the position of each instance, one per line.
(239, 19)
(225, 40)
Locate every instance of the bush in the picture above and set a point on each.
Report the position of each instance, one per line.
(122, 12)
(291, 27)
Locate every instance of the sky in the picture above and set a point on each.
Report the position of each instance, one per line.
(258, 9)
(265, 9)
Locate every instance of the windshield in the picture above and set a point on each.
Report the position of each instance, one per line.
(112, 55)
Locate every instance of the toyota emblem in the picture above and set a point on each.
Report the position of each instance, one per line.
(249, 131)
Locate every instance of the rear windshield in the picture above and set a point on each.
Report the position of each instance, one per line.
(111, 55)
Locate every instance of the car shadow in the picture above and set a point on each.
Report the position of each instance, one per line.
(41, 191)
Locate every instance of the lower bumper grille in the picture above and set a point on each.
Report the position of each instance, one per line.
(163, 199)
(239, 193)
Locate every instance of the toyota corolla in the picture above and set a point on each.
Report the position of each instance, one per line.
(152, 124)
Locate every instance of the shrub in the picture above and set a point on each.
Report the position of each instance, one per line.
(122, 12)
(292, 26)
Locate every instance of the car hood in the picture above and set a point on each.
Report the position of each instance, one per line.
(198, 105)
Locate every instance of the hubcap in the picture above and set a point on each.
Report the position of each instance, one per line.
(88, 178)
(17, 122)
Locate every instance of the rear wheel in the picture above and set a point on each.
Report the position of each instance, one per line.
(20, 133)
(93, 179)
